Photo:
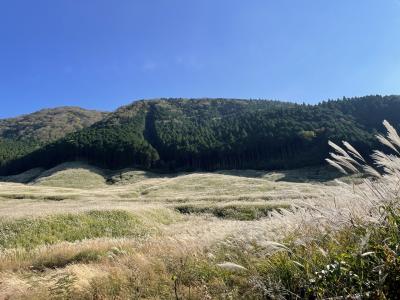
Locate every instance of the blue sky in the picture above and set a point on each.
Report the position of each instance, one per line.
(102, 54)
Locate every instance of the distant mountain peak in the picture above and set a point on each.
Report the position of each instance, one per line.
(47, 125)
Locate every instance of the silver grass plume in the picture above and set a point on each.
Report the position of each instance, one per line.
(392, 135)
(344, 162)
(353, 151)
(386, 142)
(386, 188)
(336, 165)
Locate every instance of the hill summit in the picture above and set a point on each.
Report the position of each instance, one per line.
(24, 134)
(48, 124)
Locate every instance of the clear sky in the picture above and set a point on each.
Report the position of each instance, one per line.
(105, 53)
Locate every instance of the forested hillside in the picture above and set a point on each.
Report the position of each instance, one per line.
(172, 134)
(23, 134)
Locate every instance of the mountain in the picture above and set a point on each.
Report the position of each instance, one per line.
(171, 134)
(23, 134)
(48, 124)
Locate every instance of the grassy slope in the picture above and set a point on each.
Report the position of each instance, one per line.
(78, 187)
(74, 175)
(70, 235)
(29, 233)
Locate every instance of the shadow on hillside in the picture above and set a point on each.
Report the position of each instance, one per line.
(302, 175)
(126, 176)
(24, 177)
(130, 175)
(123, 176)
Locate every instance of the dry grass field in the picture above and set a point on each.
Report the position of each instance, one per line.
(79, 232)
(77, 187)
(66, 228)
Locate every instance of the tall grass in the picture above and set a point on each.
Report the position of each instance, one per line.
(347, 250)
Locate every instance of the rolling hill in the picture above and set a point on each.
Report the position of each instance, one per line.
(189, 134)
(23, 134)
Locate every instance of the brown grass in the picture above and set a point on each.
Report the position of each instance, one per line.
(145, 268)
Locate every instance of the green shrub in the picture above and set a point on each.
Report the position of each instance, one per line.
(234, 212)
(354, 261)
(32, 232)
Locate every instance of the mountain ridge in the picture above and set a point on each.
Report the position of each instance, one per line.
(176, 134)
(29, 126)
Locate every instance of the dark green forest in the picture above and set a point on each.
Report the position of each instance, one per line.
(209, 134)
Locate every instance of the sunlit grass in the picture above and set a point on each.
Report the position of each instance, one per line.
(227, 235)
(32, 232)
